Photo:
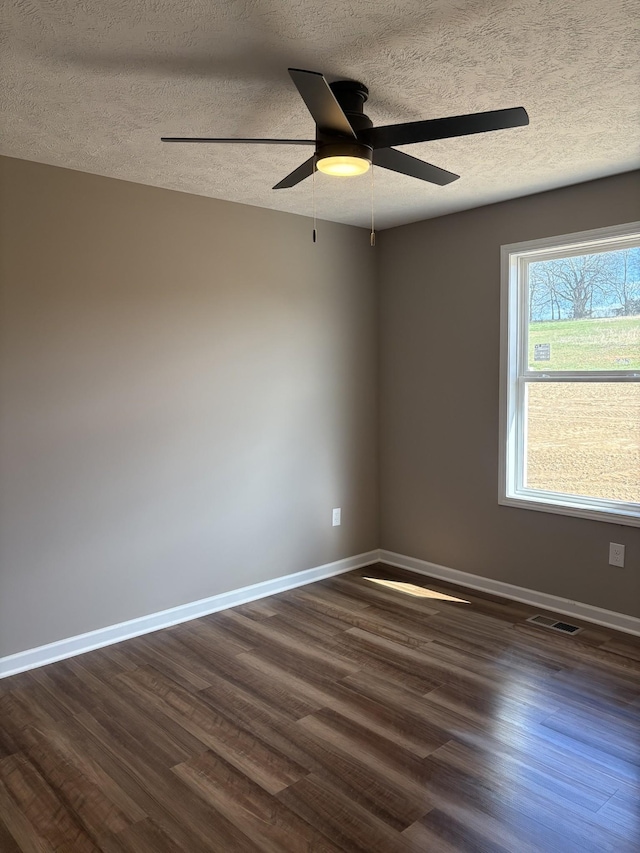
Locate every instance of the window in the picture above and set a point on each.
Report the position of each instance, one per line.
(570, 375)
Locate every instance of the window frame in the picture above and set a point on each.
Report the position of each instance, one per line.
(515, 373)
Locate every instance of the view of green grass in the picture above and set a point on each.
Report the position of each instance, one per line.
(611, 343)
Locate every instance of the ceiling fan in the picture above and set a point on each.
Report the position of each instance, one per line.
(347, 144)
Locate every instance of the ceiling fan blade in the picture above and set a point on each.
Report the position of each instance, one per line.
(396, 161)
(299, 174)
(443, 128)
(321, 102)
(245, 141)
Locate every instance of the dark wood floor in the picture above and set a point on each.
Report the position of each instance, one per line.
(344, 715)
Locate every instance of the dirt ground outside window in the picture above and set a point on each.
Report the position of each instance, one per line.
(584, 439)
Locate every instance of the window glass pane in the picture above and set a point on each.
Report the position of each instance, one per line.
(584, 312)
(583, 438)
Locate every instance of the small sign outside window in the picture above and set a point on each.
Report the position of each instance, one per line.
(541, 352)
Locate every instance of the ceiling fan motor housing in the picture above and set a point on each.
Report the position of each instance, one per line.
(351, 96)
(344, 149)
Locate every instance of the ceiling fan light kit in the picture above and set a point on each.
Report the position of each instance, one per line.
(343, 165)
(344, 159)
(347, 144)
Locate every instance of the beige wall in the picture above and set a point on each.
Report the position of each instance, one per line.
(439, 326)
(188, 388)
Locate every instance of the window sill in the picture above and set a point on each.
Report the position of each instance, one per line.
(567, 507)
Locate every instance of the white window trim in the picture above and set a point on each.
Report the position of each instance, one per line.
(511, 492)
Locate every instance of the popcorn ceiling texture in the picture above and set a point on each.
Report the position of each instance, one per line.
(93, 84)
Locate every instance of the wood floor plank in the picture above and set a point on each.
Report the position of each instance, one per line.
(380, 689)
(191, 824)
(354, 829)
(515, 709)
(528, 773)
(30, 721)
(279, 693)
(345, 715)
(97, 813)
(471, 814)
(147, 837)
(321, 606)
(18, 827)
(349, 776)
(595, 687)
(325, 591)
(168, 653)
(391, 664)
(288, 646)
(261, 609)
(428, 837)
(384, 760)
(354, 588)
(268, 724)
(8, 843)
(622, 810)
(414, 733)
(186, 742)
(621, 756)
(425, 631)
(627, 648)
(8, 744)
(512, 670)
(52, 819)
(330, 620)
(584, 649)
(347, 773)
(270, 825)
(241, 748)
(445, 831)
(210, 630)
(312, 621)
(534, 747)
(615, 729)
(524, 800)
(146, 734)
(427, 666)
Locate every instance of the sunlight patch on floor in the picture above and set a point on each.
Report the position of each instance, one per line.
(418, 591)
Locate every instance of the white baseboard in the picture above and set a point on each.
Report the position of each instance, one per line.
(564, 606)
(61, 649)
(32, 658)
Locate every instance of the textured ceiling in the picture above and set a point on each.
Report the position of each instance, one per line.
(93, 84)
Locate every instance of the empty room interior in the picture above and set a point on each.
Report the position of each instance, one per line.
(320, 427)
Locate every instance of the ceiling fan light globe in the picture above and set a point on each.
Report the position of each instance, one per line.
(344, 166)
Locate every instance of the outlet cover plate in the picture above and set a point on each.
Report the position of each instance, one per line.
(616, 554)
(337, 517)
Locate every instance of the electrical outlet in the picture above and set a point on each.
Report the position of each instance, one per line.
(616, 554)
(337, 517)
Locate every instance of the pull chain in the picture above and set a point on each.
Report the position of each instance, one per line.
(313, 193)
(373, 229)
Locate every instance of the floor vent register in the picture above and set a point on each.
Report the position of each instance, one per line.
(554, 624)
